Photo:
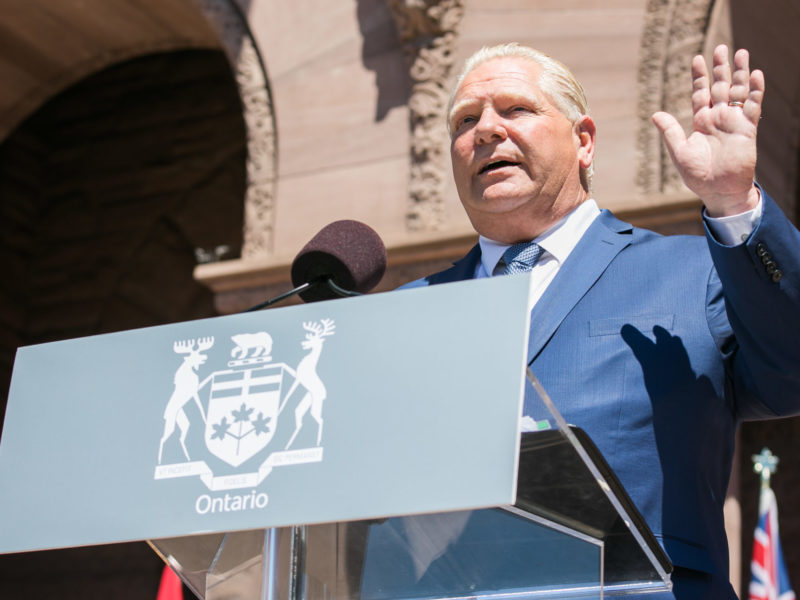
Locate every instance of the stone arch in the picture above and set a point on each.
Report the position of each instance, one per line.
(218, 23)
(109, 189)
(674, 31)
(78, 71)
(251, 77)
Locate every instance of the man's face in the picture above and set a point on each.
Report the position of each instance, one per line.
(516, 157)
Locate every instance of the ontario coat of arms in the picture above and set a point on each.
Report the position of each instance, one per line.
(239, 408)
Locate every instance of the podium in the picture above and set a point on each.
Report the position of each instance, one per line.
(572, 533)
(361, 449)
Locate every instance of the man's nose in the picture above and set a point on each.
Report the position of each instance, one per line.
(490, 127)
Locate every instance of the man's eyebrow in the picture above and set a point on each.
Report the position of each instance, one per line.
(516, 97)
(460, 106)
(504, 96)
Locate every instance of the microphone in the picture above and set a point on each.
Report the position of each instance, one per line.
(346, 258)
(345, 254)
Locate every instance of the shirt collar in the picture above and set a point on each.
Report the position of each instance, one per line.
(557, 242)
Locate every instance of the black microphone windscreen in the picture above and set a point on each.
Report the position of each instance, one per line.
(348, 252)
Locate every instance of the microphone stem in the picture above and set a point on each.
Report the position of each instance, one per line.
(340, 291)
(283, 296)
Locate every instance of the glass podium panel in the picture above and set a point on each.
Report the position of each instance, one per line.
(571, 533)
(239, 564)
(488, 553)
(563, 476)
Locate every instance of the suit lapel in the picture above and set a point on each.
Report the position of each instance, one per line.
(604, 239)
(461, 270)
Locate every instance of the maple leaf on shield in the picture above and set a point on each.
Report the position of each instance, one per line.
(261, 424)
(221, 428)
(243, 414)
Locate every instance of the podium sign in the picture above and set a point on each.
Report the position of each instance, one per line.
(305, 414)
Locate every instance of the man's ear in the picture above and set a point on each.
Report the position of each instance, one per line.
(585, 132)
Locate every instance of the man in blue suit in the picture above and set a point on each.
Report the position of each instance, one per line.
(657, 346)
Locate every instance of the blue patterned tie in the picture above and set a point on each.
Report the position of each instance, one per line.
(521, 257)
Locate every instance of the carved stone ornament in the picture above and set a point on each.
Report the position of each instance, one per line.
(428, 33)
(251, 78)
(674, 32)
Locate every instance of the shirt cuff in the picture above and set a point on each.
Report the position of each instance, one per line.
(735, 229)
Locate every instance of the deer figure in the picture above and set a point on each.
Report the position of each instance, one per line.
(306, 375)
(187, 386)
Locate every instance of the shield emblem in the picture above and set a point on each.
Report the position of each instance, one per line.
(242, 412)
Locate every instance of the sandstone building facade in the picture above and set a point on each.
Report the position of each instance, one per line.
(164, 160)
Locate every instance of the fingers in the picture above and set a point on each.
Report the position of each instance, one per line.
(671, 131)
(721, 86)
(738, 88)
(701, 94)
(740, 83)
(755, 97)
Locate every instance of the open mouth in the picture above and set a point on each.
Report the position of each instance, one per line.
(497, 164)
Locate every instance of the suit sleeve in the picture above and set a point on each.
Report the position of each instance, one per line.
(760, 295)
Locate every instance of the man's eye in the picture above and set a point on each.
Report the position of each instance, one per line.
(465, 121)
(520, 109)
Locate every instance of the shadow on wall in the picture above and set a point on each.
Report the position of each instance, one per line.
(381, 53)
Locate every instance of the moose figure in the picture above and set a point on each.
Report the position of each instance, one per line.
(306, 375)
(186, 388)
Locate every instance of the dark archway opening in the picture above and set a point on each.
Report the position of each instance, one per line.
(105, 195)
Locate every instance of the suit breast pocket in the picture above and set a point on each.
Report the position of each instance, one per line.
(644, 324)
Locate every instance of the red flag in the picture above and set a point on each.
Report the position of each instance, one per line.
(170, 587)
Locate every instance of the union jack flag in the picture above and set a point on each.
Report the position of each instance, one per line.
(768, 577)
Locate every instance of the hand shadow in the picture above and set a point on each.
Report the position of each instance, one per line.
(668, 375)
(686, 410)
(665, 362)
(381, 53)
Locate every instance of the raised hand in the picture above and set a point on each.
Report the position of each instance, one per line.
(718, 159)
